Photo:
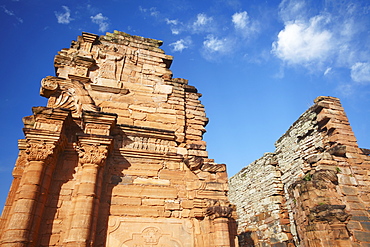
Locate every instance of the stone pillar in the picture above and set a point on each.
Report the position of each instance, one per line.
(92, 156)
(26, 216)
(93, 147)
(220, 215)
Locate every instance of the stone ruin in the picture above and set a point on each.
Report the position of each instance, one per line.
(314, 190)
(116, 158)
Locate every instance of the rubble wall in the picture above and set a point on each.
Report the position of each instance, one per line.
(324, 203)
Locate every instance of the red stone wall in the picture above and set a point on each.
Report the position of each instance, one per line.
(117, 157)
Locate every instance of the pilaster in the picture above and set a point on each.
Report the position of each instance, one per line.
(220, 217)
(43, 141)
(92, 147)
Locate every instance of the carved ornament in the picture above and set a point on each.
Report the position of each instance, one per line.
(92, 154)
(219, 212)
(67, 93)
(39, 150)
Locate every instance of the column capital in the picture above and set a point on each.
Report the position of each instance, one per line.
(92, 153)
(39, 150)
(219, 212)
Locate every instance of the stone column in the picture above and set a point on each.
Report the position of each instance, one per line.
(92, 156)
(25, 212)
(220, 215)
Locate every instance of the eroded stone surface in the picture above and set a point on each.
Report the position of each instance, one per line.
(312, 191)
(117, 157)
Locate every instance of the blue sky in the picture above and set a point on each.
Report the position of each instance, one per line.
(258, 64)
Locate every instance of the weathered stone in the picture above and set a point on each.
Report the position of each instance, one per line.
(114, 159)
(319, 170)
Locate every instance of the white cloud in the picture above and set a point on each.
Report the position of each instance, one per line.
(202, 20)
(240, 20)
(174, 26)
(175, 31)
(304, 42)
(327, 71)
(213, 44)
(292, 10)
(360, 72)
(243, 24)
(181, 44)
(64, 18)
(154, 12)
(327, 39)
(202, 23)
(101, 20)
(171, 22)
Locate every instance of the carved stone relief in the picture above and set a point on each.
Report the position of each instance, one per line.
(39, 150)
(67, 93)
(92, 154)
(145, 232)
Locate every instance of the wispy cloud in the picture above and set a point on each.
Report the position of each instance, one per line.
(154, 11)
(327, 71)
(173, 22)
(243, 24)
(11, 13)
(175, 29)
(360, 72)
(214, 44)
(102, 21)
(202, 23)
(346, 89)
(64, 18)
(181, 44)
(292, 10)
(151, 11)
(240, 19)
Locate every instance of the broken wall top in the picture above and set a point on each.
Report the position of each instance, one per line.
(128, 76)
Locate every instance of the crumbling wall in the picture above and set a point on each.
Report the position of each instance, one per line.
(257, 192)
(117, 157)
(319, 164)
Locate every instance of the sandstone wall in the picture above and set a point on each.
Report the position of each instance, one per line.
(324, 180)
(117, 157)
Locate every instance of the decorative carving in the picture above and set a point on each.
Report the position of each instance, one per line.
(109, 68)
(151, 235)
(39, 150)
(92, 154)
(219, 210)
(70, 94)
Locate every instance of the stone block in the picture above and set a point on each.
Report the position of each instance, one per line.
(152, 181)
(171, 175)
(153, 202)
(117, 200)
(362, 236)
(172, 206)
(349, 190)
(365, 226)
(138, 211)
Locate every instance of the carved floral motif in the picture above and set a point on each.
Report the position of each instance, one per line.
(92, 154)
(219, 212)
(39, 151)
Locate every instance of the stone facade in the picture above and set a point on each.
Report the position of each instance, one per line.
(314, 190)
(116, 158)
